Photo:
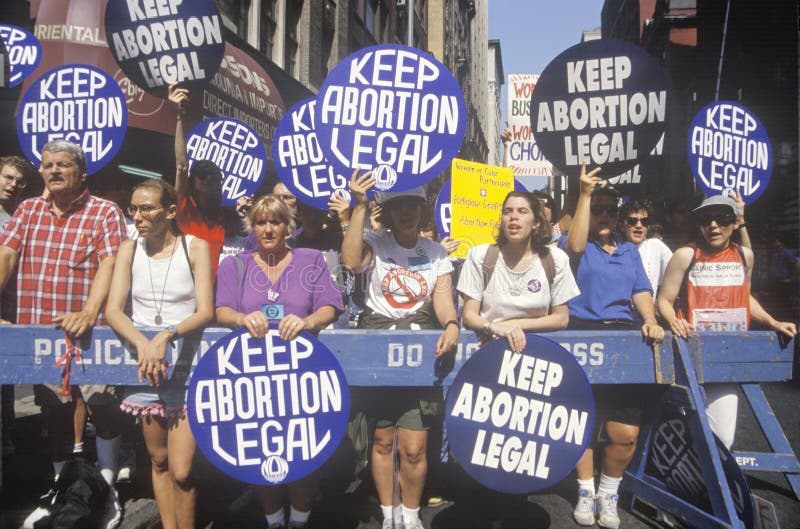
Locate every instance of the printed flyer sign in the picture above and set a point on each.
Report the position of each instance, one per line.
(392, 109)
(728, 149)
(444, 207)
(75, 102)
(24, 53)
(300, 162)
(602, 102)
(235, 148)
(524, 156)
(170, 41)
(265, 411)
(519, 422)
(477, 195)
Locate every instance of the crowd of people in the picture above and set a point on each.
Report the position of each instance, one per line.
(66, 259)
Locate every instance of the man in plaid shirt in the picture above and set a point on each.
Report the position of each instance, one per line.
(63, 248)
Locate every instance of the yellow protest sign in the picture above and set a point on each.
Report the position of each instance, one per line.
(477, 195)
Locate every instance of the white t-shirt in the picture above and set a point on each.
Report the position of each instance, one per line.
(400, 280)
(509, 294)
(655, 256)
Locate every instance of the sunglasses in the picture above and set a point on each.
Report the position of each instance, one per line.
(723, 220)
(599, 210)
(633, 221)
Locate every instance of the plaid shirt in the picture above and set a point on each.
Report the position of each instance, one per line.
(59, 256)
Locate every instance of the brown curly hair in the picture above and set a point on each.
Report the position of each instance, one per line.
(541, 234)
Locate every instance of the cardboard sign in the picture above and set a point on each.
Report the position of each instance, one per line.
(603, 102)
(265, 411)
(395, 110)
(300, 162)
(24, 52)
(478, 191)
(728, 148)
(235, 148)
(75, 102)
(524, 156)
(519, 422)
(170, 41)
(444, 207)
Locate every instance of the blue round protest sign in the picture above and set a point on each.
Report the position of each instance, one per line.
(235, 148)
(395, 110)
(300, 161)
(519, 422)
(603, 102)
(24, 52)
(443, 207)
(170, 41)
(75, 102)
(265, 411)
(728, 149)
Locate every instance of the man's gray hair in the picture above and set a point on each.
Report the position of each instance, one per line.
(67, 146)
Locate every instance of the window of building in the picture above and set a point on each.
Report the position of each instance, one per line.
(293, 10)
(268, 25)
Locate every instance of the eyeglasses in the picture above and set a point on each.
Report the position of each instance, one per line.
(22, 183)
(144, 211)
(609, 209)
(633, 221)
(723, 220)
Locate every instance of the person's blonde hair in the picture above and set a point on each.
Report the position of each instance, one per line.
(272, 206)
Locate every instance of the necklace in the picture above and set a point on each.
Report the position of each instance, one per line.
(158, 320)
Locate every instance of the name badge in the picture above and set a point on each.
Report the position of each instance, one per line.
(419, 263)
(273, 311)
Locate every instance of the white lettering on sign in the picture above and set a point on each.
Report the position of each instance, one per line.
(586, 353)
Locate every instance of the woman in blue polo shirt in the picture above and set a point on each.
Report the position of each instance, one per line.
(610, 276)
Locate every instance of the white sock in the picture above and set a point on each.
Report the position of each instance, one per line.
(77, 448)
(58, 466)
(608, 486)
(107, 453)
(276, 518)
(299, 517)
(587, 485)
(387, 512)
(409, 515)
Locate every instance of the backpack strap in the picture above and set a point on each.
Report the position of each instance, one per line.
(186, 253)
(549, 266)
(488, 263)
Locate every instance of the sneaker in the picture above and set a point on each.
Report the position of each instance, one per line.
(584, 509)
(127, 463)
(297, 525)
(113, 513)
(416, 523)
(276, 526)
(39, 514)
(607, 511)
(387, 523)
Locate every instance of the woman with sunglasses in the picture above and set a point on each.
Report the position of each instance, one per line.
(610, 277)
(714, 273)
(169, 287)
(634, 223)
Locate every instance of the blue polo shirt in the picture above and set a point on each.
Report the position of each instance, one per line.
(607, 281)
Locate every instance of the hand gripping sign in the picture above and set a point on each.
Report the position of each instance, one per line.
(392, 109)
(519, 422)
(75, 102)
(236, 149)
(603, 102)
(24, 52)
(300, 162)
(728, 148)
(265, 411)
(169, 41)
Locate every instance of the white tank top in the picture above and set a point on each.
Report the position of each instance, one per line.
(175, 281)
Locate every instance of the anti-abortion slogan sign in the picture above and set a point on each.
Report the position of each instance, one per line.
(519, 422)
(728, 148)
(75, 102)
(235, 148)
(300, 162)
(24, 52)
(674, 461)
(160, 42)
(444, 207)
(603, 102)
(524, 156)
(395, 110)
(266, 411)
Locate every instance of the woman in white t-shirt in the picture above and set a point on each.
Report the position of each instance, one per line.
(520, 295)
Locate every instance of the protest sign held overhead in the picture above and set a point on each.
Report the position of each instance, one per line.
(24, 53)
(728, 149)
(444, 207)
(235, 148)
(300, 161)
(524, 156)
(392, 109)
(602, 102)
(519, 422)
(265, 411)
(170, 41)
(75, 102)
